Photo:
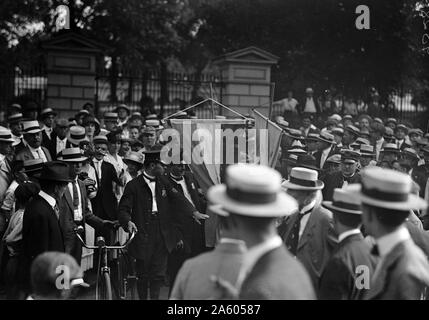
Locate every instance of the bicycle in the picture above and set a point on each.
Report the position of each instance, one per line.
(103, 289)
(126, 276)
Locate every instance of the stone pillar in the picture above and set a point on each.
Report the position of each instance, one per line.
(71, 71)
(246, 75)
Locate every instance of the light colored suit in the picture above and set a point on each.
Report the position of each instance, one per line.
(25, 154)
(317, 242)
(193, 280)
(403, 275)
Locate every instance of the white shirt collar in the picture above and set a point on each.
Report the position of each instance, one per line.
(34, 149)
(348, 233)
(232, 241)
(308, 207)
(389, 241)
(49, 199)
(63, 140)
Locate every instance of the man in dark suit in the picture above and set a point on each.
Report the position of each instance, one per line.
(152, 205)
(326, 146)
(308, 233)
(104, 204)
(347, 175)
(403, 270)
(193, 231)
(41, 230)
(74, 205)
(47, 116)
(253, 201)
(33, 139)
(352, 261)
(58, 141)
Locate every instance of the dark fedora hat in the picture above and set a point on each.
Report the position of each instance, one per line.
(55, 171)
(307, 161)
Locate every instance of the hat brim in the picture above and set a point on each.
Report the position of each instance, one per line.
(32, 131)
(329, 205)
(81, 159)
(33, 170)
(53, 179)
(76, 142)
(126, 161)
(288, 185)
(118, 108)
(284, 205)
(327, 141)
(413, 202)
(293, 137)
(7, 140)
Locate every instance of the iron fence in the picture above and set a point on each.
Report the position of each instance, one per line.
(146, 90)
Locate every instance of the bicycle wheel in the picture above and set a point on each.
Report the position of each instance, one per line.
(105, 287)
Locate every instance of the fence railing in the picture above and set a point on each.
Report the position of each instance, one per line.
(23, 84)
(145, 90)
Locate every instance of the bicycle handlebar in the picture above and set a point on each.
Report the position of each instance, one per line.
(80, 229)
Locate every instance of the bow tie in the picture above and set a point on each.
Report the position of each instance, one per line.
(150, 179)
(348, 179)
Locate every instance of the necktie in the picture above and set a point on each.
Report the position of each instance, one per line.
(38, 153)
(57, 211)
(75, 196)
(292, 240)
(374, 250)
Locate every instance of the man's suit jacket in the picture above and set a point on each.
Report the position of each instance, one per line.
(25, 154)
(46, 141)
(420, 176)
(403, 274)
(277, 275)
(317, 242)
(104, 204)
(136, 205)
(51, 145)
(336, 180)
(338, 281)
(41, 231)
(5, 176)
(193, 280)
(194, 239)
(67, 222)
(301, 105)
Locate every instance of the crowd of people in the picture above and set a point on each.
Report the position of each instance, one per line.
(347, 200)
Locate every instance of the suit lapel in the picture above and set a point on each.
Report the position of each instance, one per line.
(69, 199)
(308, 228)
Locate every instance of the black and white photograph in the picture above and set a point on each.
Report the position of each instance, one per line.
(214, 150)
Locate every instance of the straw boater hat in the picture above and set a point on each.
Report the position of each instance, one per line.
(82, 112)
(348, 117)
(390, 147)
(77, 135)
(253, 191)
(153, 123)
(349, 156)
(338, 131)
(361, 140)
(72, 155)
(47, 112)
(367, 150)
(335, 158)
(345, 200)
(33, 165)
(295, 134)
(30, 127)
(297, 144)
(353, 130)
(389, 189)
(297, 151)
(422, 141)
(100, 140)
(14, 118)
(135, 157)
(326, 137)
(303, 179)
(6, 136)
(123, 106)
(312, 137)
(391, 120)
(402, 127)
(378, 120)
(111, 116)
(292, 158)
(417, 132)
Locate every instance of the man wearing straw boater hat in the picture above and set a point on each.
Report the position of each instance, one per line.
(15, 126)
(253, 201)
(58, 141)
(74, 205)
(33, 139)
(403, 271)
(347, 175)
(308, 233)
(6, 152)
(344, 274)
(47, 116)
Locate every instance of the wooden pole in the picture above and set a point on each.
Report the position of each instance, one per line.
(270, 110)
(211, 101)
